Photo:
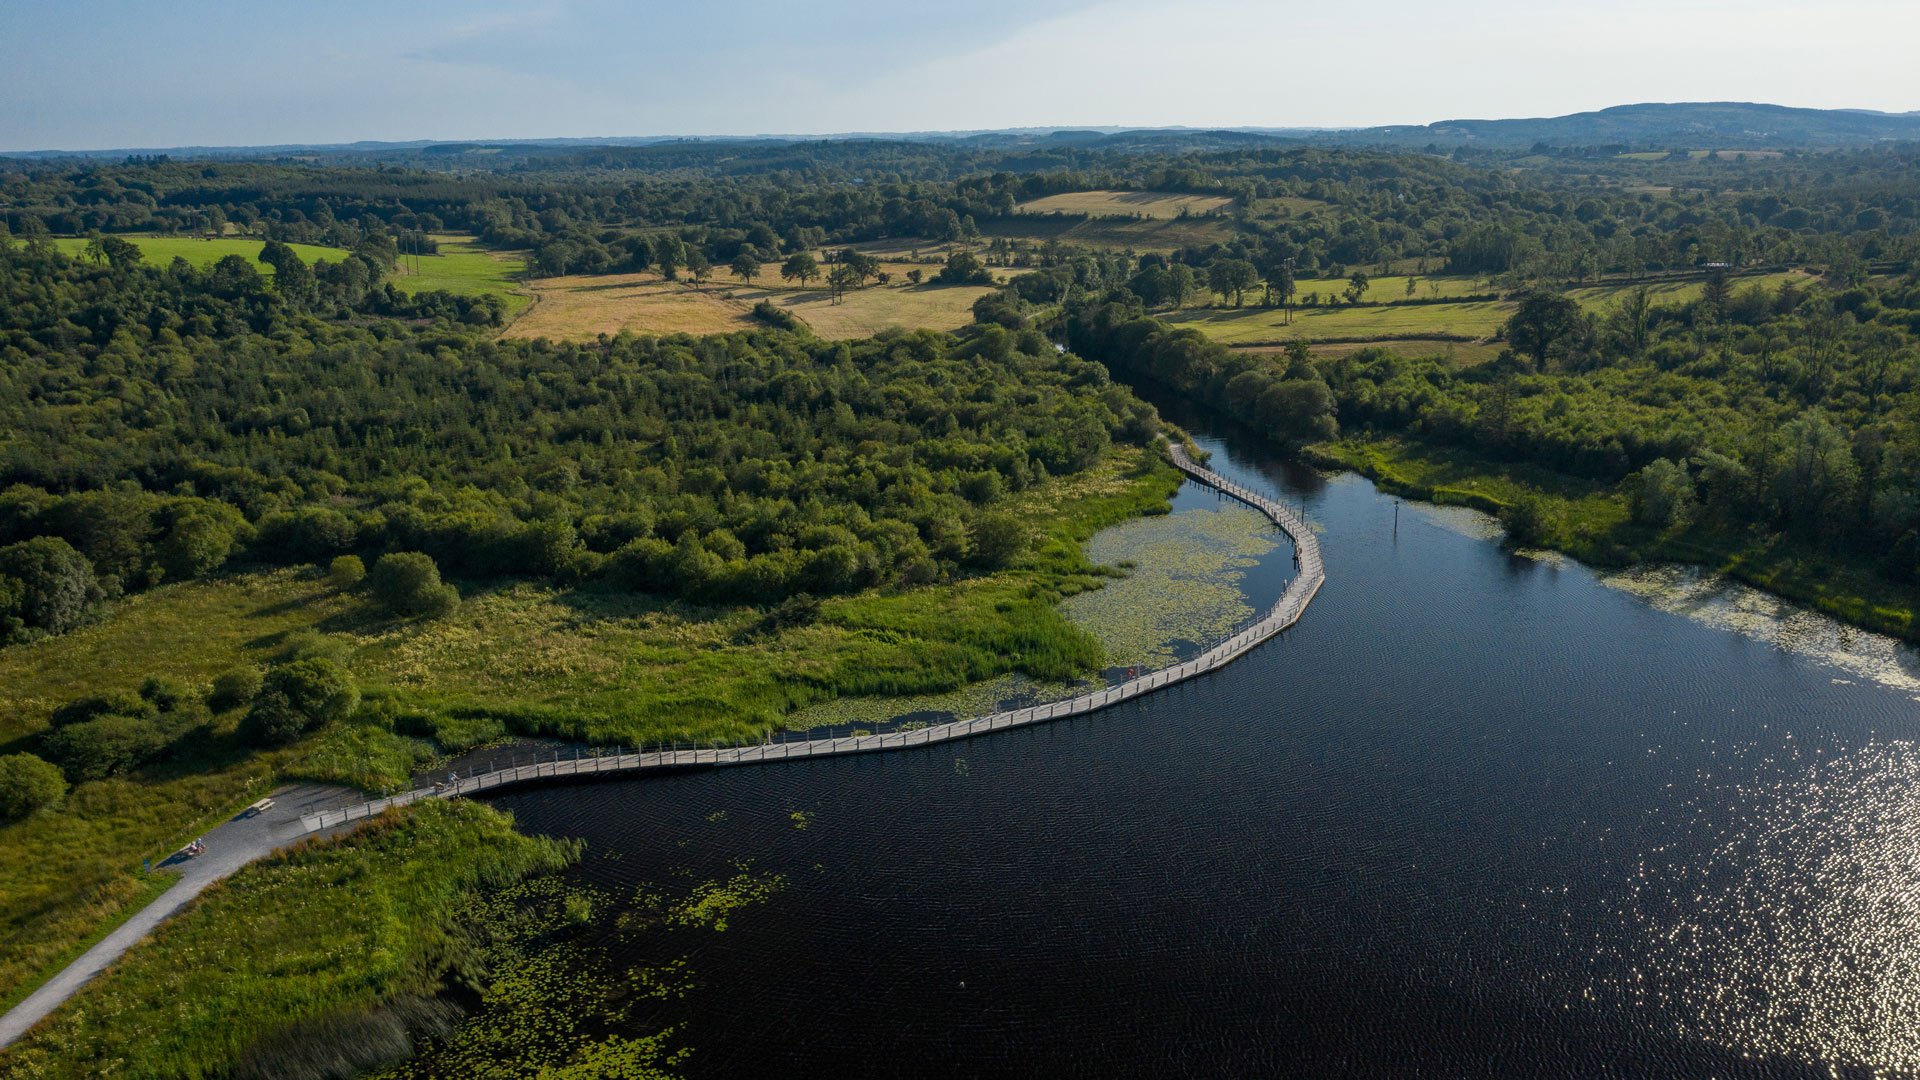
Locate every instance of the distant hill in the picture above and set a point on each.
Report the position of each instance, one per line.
(1706, 125)
(1716, 125)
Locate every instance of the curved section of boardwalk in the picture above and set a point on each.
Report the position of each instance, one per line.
(1284, 613)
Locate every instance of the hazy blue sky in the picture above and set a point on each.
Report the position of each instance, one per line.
(82, 74)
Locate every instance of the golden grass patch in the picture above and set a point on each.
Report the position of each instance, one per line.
(579, 307)
(1150, 204)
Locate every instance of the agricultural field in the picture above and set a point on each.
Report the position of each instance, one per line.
(1683, 292)
(1113, 234)
(578, 308)
(162, 250)
(866, 312)
(464, 268)
(1159, 205)
(1240, 326)
(1385, 320)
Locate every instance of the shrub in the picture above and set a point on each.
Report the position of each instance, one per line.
(408, 583)
(95, 706)
(997, 538)
(234, 687)
(105, 747)
(166, 695)
(299, 697)
(1525, 520)
(28, 783)
(775, 315)
(346, 571)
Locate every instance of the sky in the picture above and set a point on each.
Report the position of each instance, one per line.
(109, 74)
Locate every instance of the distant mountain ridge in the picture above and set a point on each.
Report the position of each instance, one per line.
(1725, 125)
(1708, 124)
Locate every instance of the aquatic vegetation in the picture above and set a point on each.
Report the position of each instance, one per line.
(1184, 585)
(712, 902)
(1179, 583)
(1719, 601)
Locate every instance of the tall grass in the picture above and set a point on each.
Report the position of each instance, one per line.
(301, 940)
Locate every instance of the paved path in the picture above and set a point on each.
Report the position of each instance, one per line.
(305, 810)
(230, 846)
(1284, 613)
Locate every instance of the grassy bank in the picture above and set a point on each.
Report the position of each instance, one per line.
(324, 930)
(1592, 522)
(532, 659)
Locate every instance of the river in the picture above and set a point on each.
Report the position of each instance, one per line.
(1478, 814)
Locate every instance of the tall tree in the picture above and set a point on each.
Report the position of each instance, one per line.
(801, 266)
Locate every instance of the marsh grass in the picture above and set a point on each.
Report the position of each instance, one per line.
(318, 931)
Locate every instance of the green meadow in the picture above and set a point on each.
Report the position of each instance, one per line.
(464, 268)
(1385, 315)
(202, 253)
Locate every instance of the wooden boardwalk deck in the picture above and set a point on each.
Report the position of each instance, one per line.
(1284, 613)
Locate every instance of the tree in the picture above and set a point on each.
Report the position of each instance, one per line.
(914, 276)
(996, 539)
(196, 545)
(408, 583)
(801, 266)
(104, 747)
(697, 266)
(1663, 497)
(964, 268)
(57, 589)
(745, 266)
(27, 784)
(1357, 286)
(299, 697)
(1543, 321)
(346, 571)
(841, 279)
(669, 255)
(1630, 322)
(1231, 277)
(234, 687)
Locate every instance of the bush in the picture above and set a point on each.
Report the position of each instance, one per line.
(297, 698)
(165, 695)
(408, 583)
(95, 706)
(997, 538)
(775, 315)
(1525, 520)
(346, 571)
(108, 746)
(234, 687)
(28, 783)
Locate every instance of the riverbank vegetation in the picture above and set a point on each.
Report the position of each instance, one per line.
(601, 536)
(321, 961)
(642, 540)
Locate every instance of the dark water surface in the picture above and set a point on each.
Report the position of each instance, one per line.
(1476, 815)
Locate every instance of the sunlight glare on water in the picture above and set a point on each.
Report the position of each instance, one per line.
(1796, 934)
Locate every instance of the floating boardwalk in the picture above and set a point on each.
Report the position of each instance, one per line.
(1284, 613)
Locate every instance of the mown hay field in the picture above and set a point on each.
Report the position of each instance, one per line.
(579, 308)
(1151, 204)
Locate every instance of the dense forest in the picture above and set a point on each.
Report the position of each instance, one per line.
(161, 422)
(1297, 211)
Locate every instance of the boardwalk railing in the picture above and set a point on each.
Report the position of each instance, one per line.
(1284, 613)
